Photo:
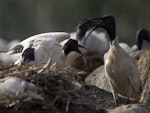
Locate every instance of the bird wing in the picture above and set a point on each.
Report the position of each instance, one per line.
(16, 49)
(42, 49)
(135, 81)
(125, 47)
(59, 36)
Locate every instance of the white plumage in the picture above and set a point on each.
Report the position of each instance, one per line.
(7, 59)
(120, 69)
(59, 36)
(10, 86)
(127, 48)
(122, 73)
(40, 48)
(72, 36)
(94, 42)
(95, 46)
(131, 108)
(142, 34)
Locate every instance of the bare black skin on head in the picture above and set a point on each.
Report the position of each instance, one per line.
(28, 55)
(142, 34)
(71, 45)
(106, 22)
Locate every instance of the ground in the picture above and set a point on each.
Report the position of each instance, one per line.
(63, 91)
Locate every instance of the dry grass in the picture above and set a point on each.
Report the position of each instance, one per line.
(63, 91)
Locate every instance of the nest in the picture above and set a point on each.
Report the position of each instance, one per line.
(63, 91)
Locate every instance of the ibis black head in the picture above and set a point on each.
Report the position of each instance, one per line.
(72, 45)
(28, 55)
(142, 34)
(106, 22)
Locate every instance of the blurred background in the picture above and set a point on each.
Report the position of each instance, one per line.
(20, 19)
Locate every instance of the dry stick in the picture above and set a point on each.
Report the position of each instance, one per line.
(52, 66)
(68, 103)
(84, 60)
(17, 72)
(45, 66)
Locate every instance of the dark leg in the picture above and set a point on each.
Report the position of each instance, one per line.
(127, 100)
(115, 94)
(102, 111)
(117, 103)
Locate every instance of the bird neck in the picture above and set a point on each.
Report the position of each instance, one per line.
(111, 34)
(110, 27)
(63, 55)
(139, 42)
(114, 42)
(142, 34)
(134, 48)
(71, 57)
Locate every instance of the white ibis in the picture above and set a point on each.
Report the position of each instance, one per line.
(142, 34)
(10, 86)
(39, 48)
(120, 69)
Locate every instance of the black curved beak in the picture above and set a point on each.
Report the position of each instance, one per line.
(86, 25)
(77, 48)
(105, 22)
(81, 46)
(78, 51)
